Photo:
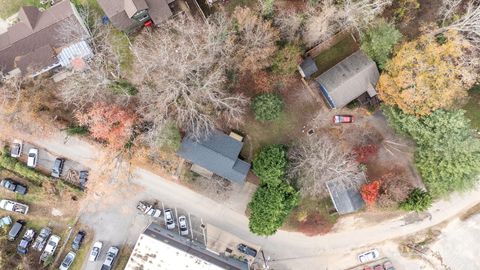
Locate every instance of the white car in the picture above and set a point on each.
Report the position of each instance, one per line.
(50, 248)
(110, 259)
(32, 158)
(368, 256)
(169, 221)
(182, 223)
(16, 149)
(67, 262)
(97, 247)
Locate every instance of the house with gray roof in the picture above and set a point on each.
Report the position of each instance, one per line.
(218, 154)
(128, 15)
(32, 45)
(346, 198)
(348, 80)
(307, 68)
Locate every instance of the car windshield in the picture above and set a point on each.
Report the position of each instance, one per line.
(31, 155)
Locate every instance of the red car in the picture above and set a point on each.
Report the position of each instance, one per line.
(378, 267)
(339, 119)
(367, 268)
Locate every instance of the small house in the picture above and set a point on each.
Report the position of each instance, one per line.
(216, 154)
(349, 79)
(346, 199)
(307, 68)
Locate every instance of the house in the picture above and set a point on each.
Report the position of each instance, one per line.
(160, 249)
(307, 68)
(346, 199)
(128, 15)
(216, 154)
(346, 81)
(43, 40)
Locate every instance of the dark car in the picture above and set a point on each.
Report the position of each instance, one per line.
(22, 247)
(58, 167)
(15, 230)
(247, 250)
(77, 241)
(339, 119)
(83, 177)
(11, 185)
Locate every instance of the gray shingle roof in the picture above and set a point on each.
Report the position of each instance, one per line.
(346, 200)
(217, 153)
(349, 79)
(308, 67)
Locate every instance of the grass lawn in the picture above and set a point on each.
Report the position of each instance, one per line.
(331, 56)
(472, 108)
(10, 7)
(122, 47)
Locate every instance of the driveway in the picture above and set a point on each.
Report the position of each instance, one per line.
(112, 215)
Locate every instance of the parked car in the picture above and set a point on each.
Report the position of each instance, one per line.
(13, 206)
(5, 221)
(32, 159)
(341, 119)
(148, 209)
(41, 239)
(97, 247)
(16, 149)
(182, 223)
(77, 241)
(50, 248)
(15, 230)
(13, 186)
(110, 260)
(169, 220)
(247, 250)
(388, 265)
(83, 178)
(22, 247)
(378, 267)
(57, 167)
(369, 256)
(367, 268)
(67, 261)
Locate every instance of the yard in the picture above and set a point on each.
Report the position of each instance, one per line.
(10, 7)
(472, 108)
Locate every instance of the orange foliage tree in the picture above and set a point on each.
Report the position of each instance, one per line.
(369, 192)
(427, 74)
(108, 122)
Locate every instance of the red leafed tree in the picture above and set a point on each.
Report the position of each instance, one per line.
(108, 122)
(364, 152)
(369, 192)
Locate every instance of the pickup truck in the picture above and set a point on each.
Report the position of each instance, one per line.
(14, 206)
(41, 239)
(148, 209)
(50, 247)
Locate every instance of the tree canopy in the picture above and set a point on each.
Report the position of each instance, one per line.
(447, 154)
(425, 76)
(267, 107)
(418, 200)
(378, 42)
(270, 164)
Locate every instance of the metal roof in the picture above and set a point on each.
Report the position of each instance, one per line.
(345, 199)
(77, 50)
(308, 67)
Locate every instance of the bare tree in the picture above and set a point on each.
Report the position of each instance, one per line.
(359, 14)
(182, 74)
(468, 23)
(289, 23)
(317, 160)
(323, 21)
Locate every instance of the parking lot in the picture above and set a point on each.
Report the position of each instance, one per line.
(371, 265)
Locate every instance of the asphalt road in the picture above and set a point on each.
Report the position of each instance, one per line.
(118, 222)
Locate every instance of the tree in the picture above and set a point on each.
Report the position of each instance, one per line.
(425, 76)
(360, 13)
(182, 75)
(108, 122)
(270, 164)
(267, 107)
(316, 160)
(289, 24)
(468, 23)
(369, 192)
(322, 22)
(447, 154)
(418, 201)
(255, 39)
(286, 60)
(270, 206)
(378, 42)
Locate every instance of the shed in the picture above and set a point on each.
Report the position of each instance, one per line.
(345, 199)
(217, 153)
(307, 68)
(348, 80)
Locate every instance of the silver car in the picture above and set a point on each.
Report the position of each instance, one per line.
(169, 221)
(182, 223)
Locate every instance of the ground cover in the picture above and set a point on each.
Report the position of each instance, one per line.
(472, 108)
(344, 45)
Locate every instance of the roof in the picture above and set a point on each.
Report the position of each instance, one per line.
(217, 153)
(160, 249)
(120, 12)
(308, 67)
(30, 38)
(37, 59)
(345, 199)
(349, 79)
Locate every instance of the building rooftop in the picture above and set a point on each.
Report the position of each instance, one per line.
(160, 249)
(345, 199)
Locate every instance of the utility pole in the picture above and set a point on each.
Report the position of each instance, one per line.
(265, 264)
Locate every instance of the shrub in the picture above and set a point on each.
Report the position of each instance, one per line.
(369, 192)
(77, 130)
(378, 42)
(418, 200)
(270, 164)
(286, 60)
(365, 152)
(267, 107)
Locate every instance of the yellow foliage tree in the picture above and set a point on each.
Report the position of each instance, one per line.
(425, 75)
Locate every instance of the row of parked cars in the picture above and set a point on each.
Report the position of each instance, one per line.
(149, 209)
(373, 255)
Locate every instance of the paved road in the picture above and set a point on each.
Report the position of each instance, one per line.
(287, 250)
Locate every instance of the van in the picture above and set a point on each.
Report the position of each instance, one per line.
(57, 167)
(15, 230)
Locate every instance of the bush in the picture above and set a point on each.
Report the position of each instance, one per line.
(378, 42)
(270, 164)
(286, 60)
(267, 107)
(270, 207)
(77, 130)
(369, 192)
(418, 200)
